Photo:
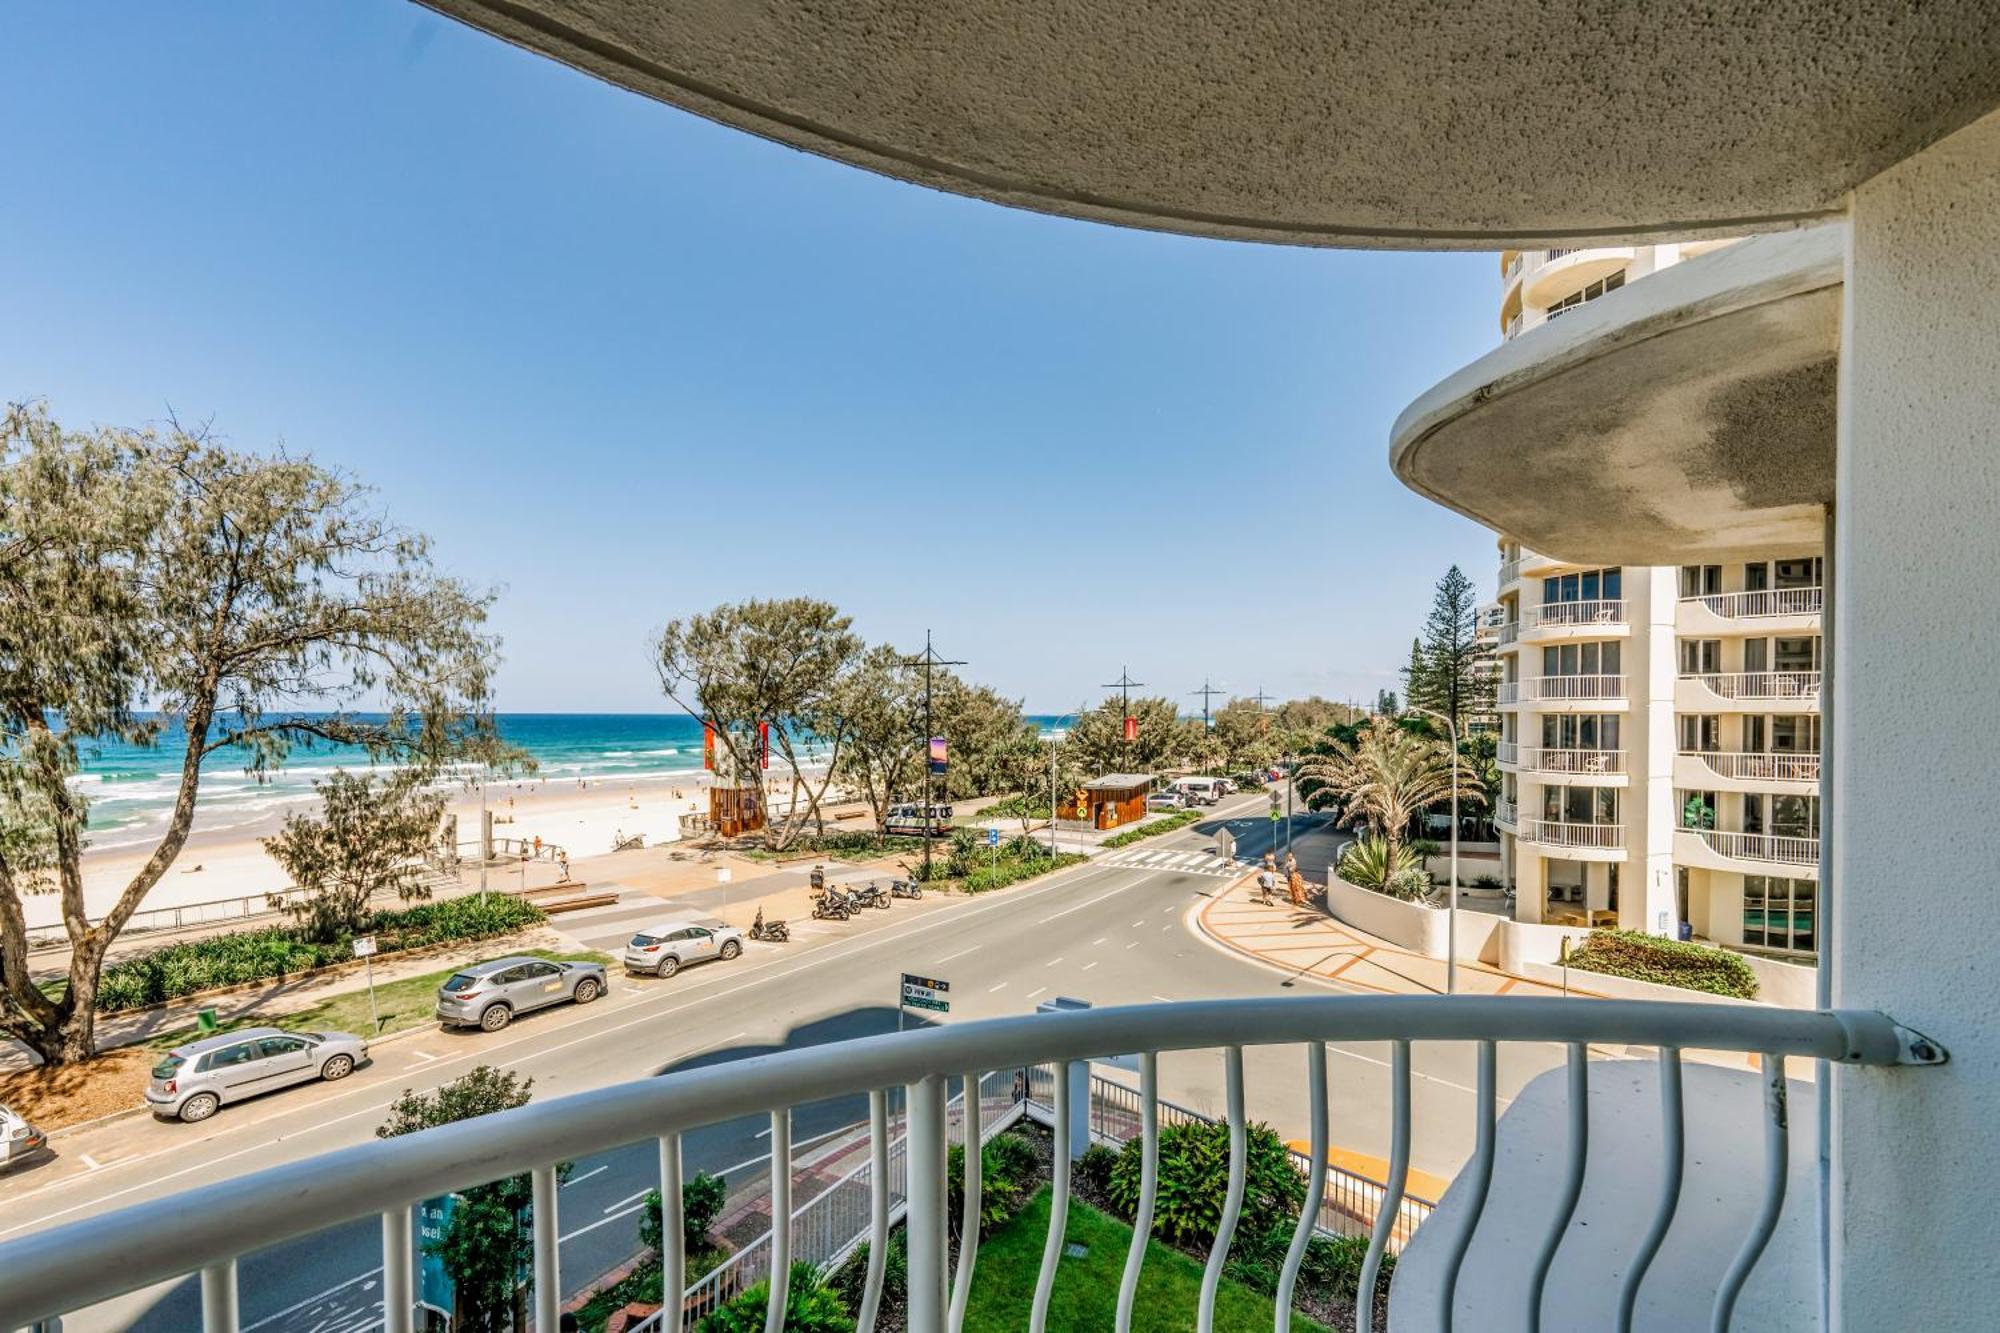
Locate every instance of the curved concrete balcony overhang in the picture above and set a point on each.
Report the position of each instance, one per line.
(1277, 122)
(1687, 416)
(1572, 271)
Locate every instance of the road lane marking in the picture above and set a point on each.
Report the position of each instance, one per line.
(1099, 940)
(1037, 991)
(425, 1056)
(1163, 999)
(1133, 945)
(1053, 961)
(594, 1171)
(1089, 965)
(960, 954)
(600, 1222)
(90, 1161)
(368, 1276)
(1001, 986)
(630, 1198)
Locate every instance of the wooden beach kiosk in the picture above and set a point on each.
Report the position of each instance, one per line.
(1112, 801)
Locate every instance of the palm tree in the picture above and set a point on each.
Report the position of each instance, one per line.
(1388, 776)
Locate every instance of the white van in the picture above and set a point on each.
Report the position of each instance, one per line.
(1200, 791)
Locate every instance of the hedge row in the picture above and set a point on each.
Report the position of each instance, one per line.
(1637, 956)
(1180, 819)
(281, 951)
(1013, 870)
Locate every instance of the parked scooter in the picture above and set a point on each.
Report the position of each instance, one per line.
(905, 888)
(774, 932)
(869, 895)
(831, 905)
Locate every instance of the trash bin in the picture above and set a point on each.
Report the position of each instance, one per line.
(1686, 931)
(205, 1021)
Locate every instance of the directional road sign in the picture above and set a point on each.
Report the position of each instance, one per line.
(926, 993)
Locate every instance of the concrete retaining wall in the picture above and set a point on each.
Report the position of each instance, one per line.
(1413, 926)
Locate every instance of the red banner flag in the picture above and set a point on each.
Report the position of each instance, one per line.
(763, 745)
(708, 747)
(1131, 728)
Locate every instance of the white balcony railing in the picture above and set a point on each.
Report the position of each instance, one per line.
(59, 1269)
(1507, 752)
(1510, 571)
(1759, 684)
(1573, 687)
(1777, 848)
(1507, 692)
(1759, 765)
(1589, 837)
(1504, 814)
(1764, 602)
(1573, 615)
(1510, 630)
(1582, 763)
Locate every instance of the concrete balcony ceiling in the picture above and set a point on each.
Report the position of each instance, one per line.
(1687, 416)
(1414, 124)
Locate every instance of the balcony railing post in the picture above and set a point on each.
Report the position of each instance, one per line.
(1673, 1158)
(218, 1298)
(1392, 1194)
(673, 1252)
(1315, 1186)
(1232, 1202)
(1478, 1176)
(1149, 1183)
(781, 1220)
(398, 1250)
(878, 1210)
(548, 1258)
(925, 1153)
(1575, 1157)
(968, 1227)
(1777, 1163)
(1045, 1281)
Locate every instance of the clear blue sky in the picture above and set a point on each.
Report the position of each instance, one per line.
(625, 364)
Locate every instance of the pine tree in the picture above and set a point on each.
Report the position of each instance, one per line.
(1453, 681)
(1417, 678)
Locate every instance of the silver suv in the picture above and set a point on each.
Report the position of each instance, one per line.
(192, 1082)
(666, 948)
(488, 995)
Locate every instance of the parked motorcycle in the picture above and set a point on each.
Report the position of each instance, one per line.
(773, 932)
(870, 895)
(831, 905)
(905, 888)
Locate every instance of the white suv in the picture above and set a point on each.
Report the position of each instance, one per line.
(671, 945)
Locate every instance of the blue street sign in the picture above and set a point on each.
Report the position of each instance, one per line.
(993, 837)
(434, 1285)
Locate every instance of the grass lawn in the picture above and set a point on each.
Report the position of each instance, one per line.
(407, 1003)
(1086, 1290)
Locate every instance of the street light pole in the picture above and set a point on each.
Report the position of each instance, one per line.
(927, 661)
(1451, 920)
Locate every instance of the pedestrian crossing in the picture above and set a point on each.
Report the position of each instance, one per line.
(1183, 863)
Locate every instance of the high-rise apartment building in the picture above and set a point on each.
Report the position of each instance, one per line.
(1660, 726)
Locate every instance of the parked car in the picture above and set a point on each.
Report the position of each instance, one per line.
(1166, 800)
(670, 946)
(194, 1081)
(488, 995)
(19, 1140)
(1200, 791)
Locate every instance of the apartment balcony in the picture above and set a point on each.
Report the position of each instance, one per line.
(1748, 853)
(1507, 634)
(1557, 694)
(1747, 770)
(1766, 611)
(1507, 754)
(1510, 572)
(1574, 768)
(1748, 692)
(1554, 274)
(1577, 842)
(1599, 619)
(1505, 815)
(1729, 1215)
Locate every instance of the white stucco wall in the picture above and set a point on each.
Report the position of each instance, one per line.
(1916, 1161)
(1422, 930)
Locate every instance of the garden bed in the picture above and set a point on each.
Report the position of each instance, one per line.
(1180, 819)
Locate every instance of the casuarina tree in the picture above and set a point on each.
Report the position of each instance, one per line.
(157, 581)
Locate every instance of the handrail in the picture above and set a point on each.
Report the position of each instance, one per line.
(1760, 765)
(1758, 684)
(1602, 686)
(1558, 833)
(1777, 848)
(1582, 762)
(1762, 602)
(64, 1268)
(1575, 615)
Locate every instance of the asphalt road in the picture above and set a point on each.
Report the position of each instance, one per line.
(1111, 932)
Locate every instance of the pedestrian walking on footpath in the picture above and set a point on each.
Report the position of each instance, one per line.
(1295, 885)
(1265, 882)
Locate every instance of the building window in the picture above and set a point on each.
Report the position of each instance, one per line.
(1794, 735)
(1579, 731)
(1581, 659)
(1779, 914)
(1587, 585)
(1797, 654)
(1697, 809)
(1701, 580)
(1700, 733)
(1701, 657)
(1801, 573)
(1596, 289)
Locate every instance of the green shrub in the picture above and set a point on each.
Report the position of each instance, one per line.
(1641, 957)
(1003, 1187)
(850, 1280)
(1410, 884)
(1366, 863)
(1487, 882)
(810, 1307)
(702, 1197)
(1179, 819)
(1332, 1266)
(1194, 1178)
(277, 952)
(1005, 870)
(1093, 1169)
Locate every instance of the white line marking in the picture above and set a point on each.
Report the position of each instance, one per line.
(1053, 961)
(762, 1133)
(960, 954)
(317, 1296)
(425, 1056)
(991, 989)
(600, 1222)
(1163, 999)
(1136, 924)
(90, 1161)
(594, 1171)
(630, 1198)
(1036, 991)
(1089, 965)
(1099, 940)
(1133, 945)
